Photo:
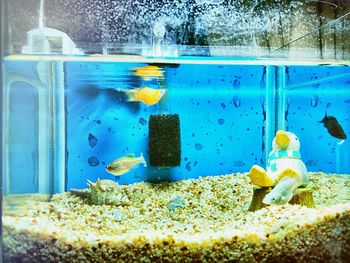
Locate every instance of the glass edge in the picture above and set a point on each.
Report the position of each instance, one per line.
(3, 6)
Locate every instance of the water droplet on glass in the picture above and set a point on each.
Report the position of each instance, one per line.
(198, 146)
(92, 140)
(93, 161)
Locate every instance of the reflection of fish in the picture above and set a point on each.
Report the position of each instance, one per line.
(124, 164)
(333, 127)
(314, 100)
(146, 95)
(311, 162)
(148, 72)
(238, 163)
(289, 102)
(165, 65)
(236, 99)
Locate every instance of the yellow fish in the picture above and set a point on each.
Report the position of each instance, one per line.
(148, 72)
(146, 95)
(124, 164)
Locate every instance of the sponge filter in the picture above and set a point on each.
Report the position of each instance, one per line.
(164, 140)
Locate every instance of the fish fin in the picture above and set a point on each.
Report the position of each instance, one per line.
(130, 155)
(146, 78)
(341, 142)
(143, 160)
(130, 94)
(324, 119)
(120, 90)
(120, 172)
(164, 98)
(162, 92)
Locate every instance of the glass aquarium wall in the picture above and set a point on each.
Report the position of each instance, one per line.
(67, 120)
(215, 105)
(318, 98)
(33, 116)
(154, 129)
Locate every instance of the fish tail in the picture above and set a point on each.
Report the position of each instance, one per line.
(146, 78)
(324, 118)
(143, 160)
(130, 95)
(342, 141)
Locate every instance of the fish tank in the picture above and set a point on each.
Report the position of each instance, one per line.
(175, 131)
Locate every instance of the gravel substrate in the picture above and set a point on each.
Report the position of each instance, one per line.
(208, 221)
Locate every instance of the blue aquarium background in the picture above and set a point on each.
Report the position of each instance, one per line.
(228, 115)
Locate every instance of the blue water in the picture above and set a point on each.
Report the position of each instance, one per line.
(228, 115)
(212, 120)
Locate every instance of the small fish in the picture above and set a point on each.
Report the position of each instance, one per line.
(333, 127)
(124, 164)
(146, 95)
(148, 72)
(282, 193)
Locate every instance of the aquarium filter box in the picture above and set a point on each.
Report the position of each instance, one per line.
(164, 140)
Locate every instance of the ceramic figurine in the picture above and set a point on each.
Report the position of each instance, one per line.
(285, 170)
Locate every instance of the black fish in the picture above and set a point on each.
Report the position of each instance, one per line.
(333, 127)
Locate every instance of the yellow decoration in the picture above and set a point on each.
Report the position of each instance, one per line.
(258, 176)
(282, 139)
(289, 173)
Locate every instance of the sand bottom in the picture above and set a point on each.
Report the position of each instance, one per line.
(199, 220)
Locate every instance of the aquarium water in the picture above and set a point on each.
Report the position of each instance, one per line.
(68, 117)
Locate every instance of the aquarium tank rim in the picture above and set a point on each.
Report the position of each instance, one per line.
(120, 58)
